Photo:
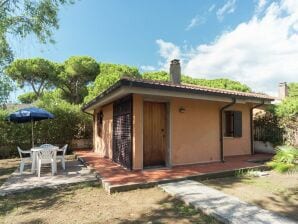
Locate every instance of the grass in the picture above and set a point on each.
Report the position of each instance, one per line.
(276, 192)
(7, 166)
(89, 203)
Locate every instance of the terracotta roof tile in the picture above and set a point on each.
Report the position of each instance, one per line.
(163, 85)
(202, 88)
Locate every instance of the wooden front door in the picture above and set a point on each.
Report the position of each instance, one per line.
(154, 136)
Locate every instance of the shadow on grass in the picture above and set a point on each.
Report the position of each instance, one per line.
(284, 199)
(273, 195)
(5, 173)
(171, 210)
(39, 199)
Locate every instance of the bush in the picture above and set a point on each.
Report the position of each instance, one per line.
(267, 128)
(12, 135)
(69, 123)
(285, 160)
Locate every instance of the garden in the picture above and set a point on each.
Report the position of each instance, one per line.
(63, 87)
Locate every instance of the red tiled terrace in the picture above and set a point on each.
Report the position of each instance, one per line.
(114, 174)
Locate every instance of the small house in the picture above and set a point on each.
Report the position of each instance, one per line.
(142, 123)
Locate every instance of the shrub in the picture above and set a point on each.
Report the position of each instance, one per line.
(69, 123)
(286, 159)
(12, 135)
(267, 128)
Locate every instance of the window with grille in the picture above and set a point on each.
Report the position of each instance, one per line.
(122, 132)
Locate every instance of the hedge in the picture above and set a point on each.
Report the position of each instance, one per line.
(69, 123)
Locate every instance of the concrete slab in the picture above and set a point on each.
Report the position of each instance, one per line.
(75, 172)
(225, 208)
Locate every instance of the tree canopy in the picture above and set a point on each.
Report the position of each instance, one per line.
(82, 78)
(74, 75)
(215, 83)
(5, 88)
(38, 73)
(109, 74)
(27, 98)
(19, 18)
(289, 106)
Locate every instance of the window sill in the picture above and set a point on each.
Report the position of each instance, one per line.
(231, 137)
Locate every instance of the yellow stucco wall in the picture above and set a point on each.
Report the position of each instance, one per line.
(103, 145)
(194, 134)
(239, 146)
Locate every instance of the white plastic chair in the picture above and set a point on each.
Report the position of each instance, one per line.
(46, 146)
(47, 156)
(24, 160)
(61, 157)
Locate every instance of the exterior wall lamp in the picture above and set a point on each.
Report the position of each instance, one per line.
(182, 109)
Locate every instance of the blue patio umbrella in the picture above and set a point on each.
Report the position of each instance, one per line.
(30, 114)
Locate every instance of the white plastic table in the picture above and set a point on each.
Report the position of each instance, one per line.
(34, 157)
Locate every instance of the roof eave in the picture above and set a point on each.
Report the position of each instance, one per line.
(132, 84)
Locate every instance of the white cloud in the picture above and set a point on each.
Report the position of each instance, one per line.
(260, 6)
(148, 68)
(195, 21)
(211, 8)
(167, 51)
(260, 52)
(228, 8)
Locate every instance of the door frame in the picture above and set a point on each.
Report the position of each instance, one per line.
(168, 159)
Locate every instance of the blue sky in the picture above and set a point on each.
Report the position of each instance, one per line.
(213, 39)
(125, 32)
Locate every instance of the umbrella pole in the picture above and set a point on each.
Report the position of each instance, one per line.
(32, 133)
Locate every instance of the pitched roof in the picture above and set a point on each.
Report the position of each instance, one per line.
(169, 86)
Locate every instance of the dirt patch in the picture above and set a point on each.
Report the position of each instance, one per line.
(89, 203)
(276, 192)
(7, 167)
